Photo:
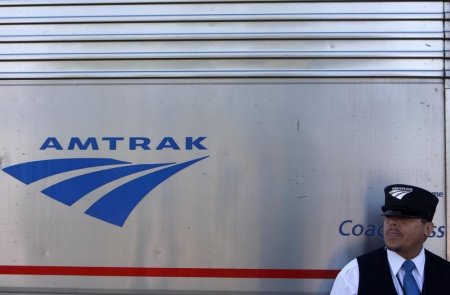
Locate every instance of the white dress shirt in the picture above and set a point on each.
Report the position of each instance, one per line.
(347, 281)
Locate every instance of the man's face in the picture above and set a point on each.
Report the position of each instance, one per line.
(406, 235)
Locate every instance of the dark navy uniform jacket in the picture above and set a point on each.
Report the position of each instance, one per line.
(375, 276)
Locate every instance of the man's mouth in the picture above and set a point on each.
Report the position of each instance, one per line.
(393, 233)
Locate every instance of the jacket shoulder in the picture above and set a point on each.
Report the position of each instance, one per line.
(437, 261)
(437, 272)
(375, 256)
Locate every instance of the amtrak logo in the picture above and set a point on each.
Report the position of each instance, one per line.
(115, 206)
(400, 192)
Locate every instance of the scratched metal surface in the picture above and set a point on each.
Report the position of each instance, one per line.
(289, 162)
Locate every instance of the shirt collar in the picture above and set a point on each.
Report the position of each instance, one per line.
(396, 261)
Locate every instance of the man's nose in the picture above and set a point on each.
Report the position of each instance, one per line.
(391, 221)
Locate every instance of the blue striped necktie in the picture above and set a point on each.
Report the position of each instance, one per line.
(409, 283)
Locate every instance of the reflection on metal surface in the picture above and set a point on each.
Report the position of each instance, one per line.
(220, 39)
(270, 141)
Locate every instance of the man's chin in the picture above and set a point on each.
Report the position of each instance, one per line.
(395, 249)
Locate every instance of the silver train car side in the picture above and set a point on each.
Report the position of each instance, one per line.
(212, 147)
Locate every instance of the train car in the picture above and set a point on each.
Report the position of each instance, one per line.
(212, 147)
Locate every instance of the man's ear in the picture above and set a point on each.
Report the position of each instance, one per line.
(428, 228)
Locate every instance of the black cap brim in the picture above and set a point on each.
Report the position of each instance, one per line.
(398, 213)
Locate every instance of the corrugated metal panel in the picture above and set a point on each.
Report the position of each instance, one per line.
(446, 58)
(447, 115)
(116, 39)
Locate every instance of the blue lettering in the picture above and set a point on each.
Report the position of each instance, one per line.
(51, 142)
(433, 233)
(142, 142)
(441, 231)
(190, 143)
(347, 228)
(168, 143)
(438, 194)
(341, 227)
(370, 232)
(381, 231)
(113, 142)
(360, 230)
(76, 142)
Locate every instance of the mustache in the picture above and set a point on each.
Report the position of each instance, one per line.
(394, 231)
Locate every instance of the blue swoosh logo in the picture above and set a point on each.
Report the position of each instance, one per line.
(115, 206)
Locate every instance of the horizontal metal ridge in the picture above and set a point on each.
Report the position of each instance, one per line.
(223, 30)
(219, 74)
(215, 18)
(228, 68)
(108, 2)
(128, 2)
(253, 11)
(224, 49)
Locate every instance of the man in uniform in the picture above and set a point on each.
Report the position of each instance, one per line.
(403, 266)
